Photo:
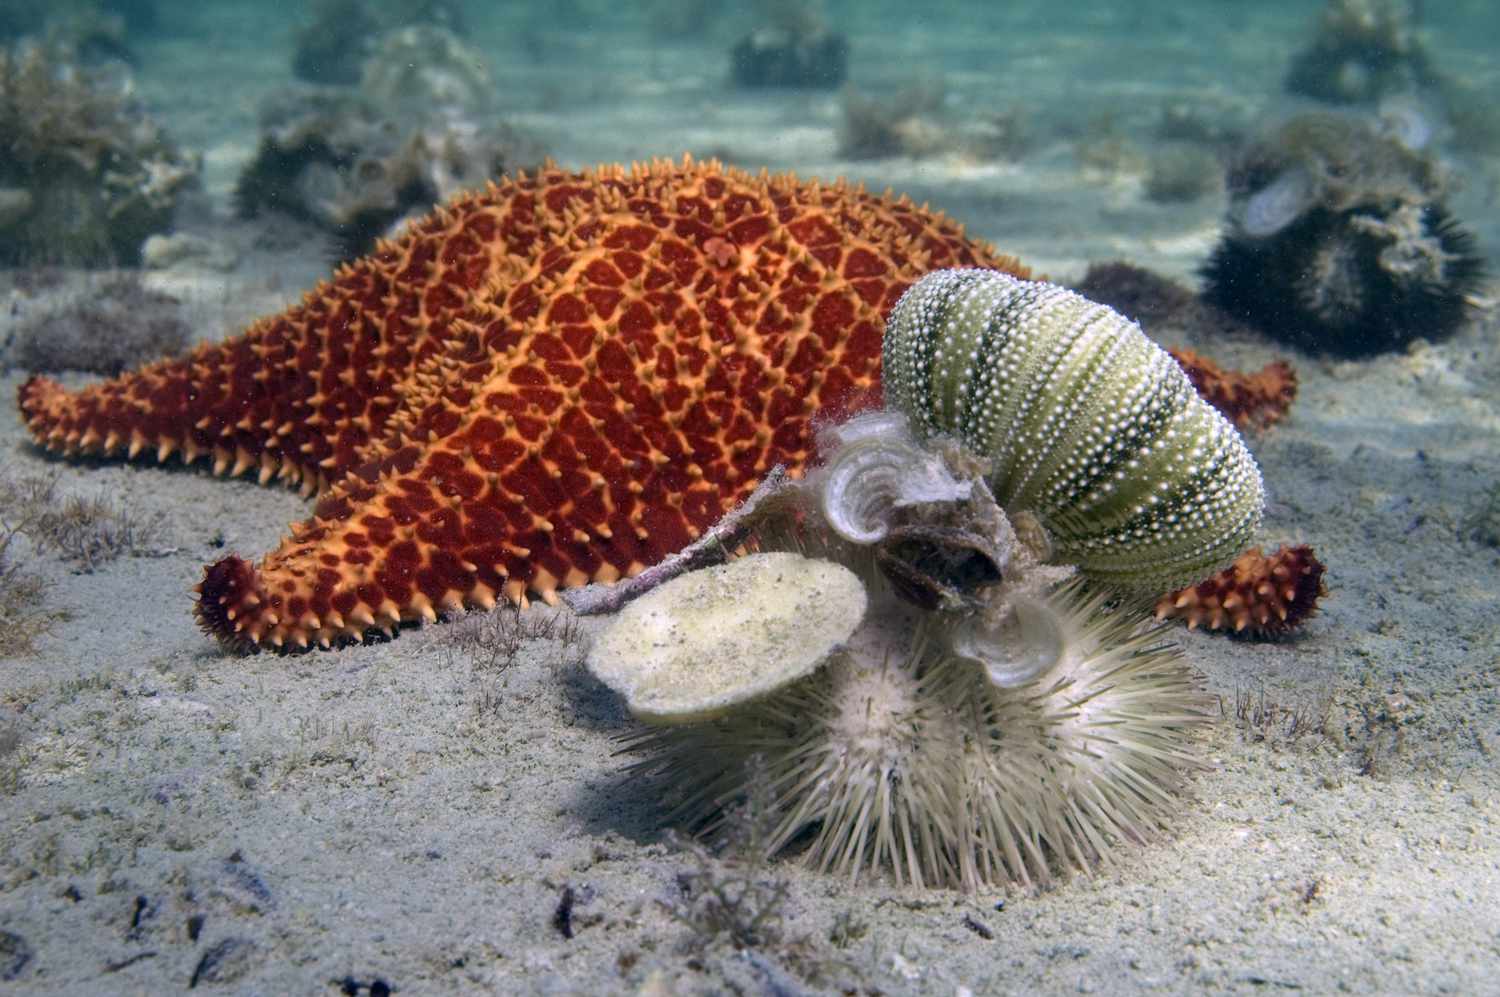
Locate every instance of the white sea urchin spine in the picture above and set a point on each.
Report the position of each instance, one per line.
(899, 756)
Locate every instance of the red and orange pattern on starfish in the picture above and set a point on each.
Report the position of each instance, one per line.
(1249, 400)
(1261, 595)
(558, 380)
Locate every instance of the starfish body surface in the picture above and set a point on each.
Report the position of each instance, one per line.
(555, 381)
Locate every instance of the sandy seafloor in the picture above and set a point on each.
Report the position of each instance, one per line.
(388, 813)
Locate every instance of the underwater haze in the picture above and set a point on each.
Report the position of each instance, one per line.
(1296, 200)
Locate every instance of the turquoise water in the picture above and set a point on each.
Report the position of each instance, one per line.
(1031, 117)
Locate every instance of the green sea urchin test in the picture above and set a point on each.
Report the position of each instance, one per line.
(1088, 425)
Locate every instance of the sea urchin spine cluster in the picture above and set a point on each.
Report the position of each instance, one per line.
(993, 717)
(912, 762)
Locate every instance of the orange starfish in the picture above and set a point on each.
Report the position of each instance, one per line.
(558, 380)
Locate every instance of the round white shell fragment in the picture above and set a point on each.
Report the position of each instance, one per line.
(712, 639)
(1033, 643)
(1279, 203)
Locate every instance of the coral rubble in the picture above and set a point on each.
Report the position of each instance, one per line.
(85, 175)
(331, 48)
(793, 47)
(343, 162)
(902, 124)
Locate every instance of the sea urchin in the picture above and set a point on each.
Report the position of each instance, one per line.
(974, 728)
(900, 755)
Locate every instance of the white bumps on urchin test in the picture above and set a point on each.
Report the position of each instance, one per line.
(1086, 422)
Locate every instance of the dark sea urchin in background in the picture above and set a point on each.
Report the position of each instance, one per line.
(1337, 240)
(1351, 283)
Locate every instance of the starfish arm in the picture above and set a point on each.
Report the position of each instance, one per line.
(472, 496)
(296, 397)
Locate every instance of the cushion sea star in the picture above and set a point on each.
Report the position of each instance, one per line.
(558, 380)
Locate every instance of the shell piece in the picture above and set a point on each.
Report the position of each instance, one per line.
(1278, 204)
(1087, 424)
(712, 639)
(1033, 642)
(877, 469)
